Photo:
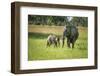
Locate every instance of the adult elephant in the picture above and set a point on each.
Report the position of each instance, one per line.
(71, 33)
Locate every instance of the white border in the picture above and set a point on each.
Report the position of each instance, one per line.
(25, 64)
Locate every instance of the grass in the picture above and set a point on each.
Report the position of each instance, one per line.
(37, 49)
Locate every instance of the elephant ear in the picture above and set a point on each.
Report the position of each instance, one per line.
(68, 31)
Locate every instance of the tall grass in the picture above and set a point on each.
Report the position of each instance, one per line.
(37, 49)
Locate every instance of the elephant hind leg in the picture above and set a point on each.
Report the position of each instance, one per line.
(73, 42)
(55, 43)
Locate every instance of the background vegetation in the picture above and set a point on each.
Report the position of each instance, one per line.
(57, 20)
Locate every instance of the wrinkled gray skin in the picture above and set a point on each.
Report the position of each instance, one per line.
(53, 40)
(71, 33)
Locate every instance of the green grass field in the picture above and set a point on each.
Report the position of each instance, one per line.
(37, 49)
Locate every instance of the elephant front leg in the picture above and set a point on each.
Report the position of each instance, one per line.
(63, 41)
(68, 43)
(73, 45)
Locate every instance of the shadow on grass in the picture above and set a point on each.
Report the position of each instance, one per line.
(37, 35)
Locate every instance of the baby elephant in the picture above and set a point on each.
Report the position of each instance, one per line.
(53, 40)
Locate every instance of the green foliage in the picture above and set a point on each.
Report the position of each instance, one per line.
(37, 49)
(80, 21)
(57, 20)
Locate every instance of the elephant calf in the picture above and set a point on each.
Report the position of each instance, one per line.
(53, 40)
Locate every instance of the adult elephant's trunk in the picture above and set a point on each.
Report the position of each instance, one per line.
(64, 36)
